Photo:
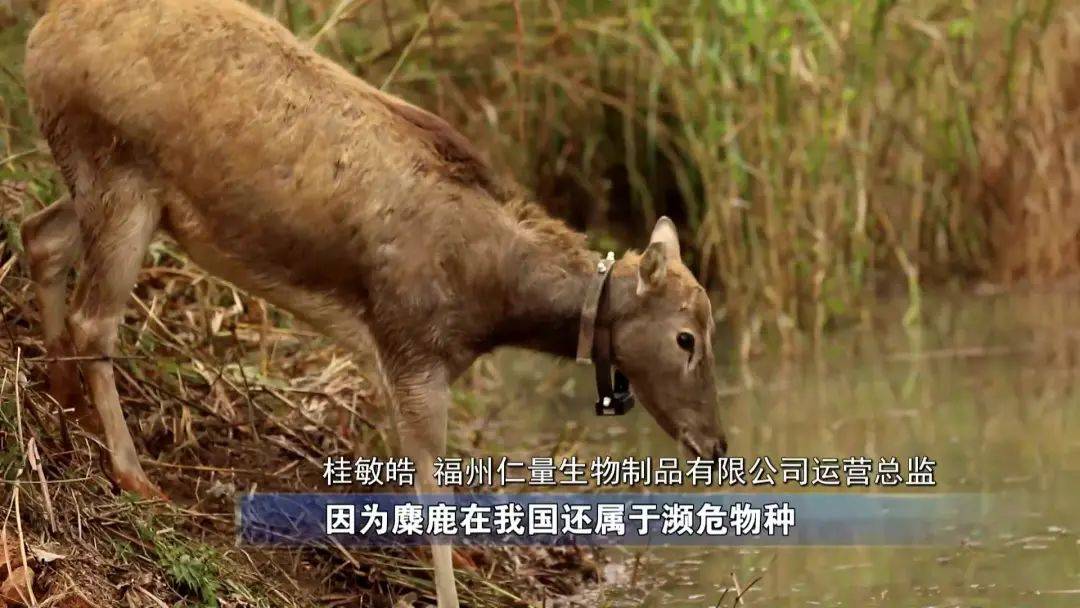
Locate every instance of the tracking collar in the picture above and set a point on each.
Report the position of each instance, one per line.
(613, 397)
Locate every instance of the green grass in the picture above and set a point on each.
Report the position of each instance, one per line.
(193, 569)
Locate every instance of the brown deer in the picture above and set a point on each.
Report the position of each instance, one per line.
(279, 171)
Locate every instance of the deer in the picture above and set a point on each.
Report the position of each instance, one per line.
(366, 217)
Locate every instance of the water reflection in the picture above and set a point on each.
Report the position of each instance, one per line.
(987, 386)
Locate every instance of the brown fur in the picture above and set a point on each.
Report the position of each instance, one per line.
(360, 213)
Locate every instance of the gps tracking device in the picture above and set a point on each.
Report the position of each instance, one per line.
(613, 400)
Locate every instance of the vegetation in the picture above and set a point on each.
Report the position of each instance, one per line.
(816, 153)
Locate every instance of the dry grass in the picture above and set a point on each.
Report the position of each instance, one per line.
(223, 396)
(817, 154)
(1030, 179)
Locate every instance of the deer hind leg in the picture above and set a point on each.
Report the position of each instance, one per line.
(118, 221)
(53, 245)
(421, 401)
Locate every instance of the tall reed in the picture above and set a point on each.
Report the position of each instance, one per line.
(817, 153)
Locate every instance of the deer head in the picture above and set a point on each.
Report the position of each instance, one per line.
(662, 327)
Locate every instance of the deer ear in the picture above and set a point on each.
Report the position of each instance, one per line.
(664, 232)
(653, 268)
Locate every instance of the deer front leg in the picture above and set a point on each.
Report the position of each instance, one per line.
(53, 245)
(422, 400)
(119, 222)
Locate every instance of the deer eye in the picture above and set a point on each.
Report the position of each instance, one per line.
(685, 340)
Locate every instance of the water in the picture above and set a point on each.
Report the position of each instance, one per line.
(986, 385)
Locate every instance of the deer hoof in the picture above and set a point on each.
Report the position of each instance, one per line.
(138, 484)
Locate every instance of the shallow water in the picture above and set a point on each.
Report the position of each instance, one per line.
(985, 385)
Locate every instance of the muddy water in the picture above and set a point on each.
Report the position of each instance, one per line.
(986, 385)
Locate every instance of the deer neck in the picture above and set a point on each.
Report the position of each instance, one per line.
(547, 283)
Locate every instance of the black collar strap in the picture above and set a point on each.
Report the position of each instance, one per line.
(594, 344)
